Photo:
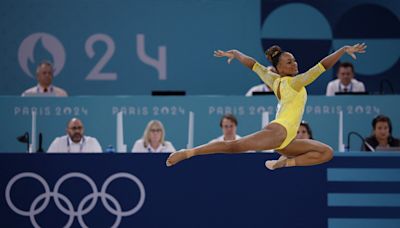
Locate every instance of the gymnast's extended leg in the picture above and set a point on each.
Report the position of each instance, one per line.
(270, 137)
(302, 152)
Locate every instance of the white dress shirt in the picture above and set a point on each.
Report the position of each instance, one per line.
(38, 90)
(257, 88)
(65, 144)
(335, 86)
(139, 147)
(221, 138)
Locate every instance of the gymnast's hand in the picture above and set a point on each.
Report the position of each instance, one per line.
(358, 48)
(229, 54)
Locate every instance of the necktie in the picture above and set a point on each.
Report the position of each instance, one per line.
(45, 90)
(345, 90)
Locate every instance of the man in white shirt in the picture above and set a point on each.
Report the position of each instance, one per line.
(345, 82)
(75, 141)
(44, 75)
(228, 124)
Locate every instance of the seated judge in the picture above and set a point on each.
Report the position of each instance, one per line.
(44, 76)
(345, 82)
(75, 141)
(153, 140)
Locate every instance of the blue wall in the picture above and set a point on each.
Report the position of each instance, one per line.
(99, 116)
(97, 46)
(356, 190)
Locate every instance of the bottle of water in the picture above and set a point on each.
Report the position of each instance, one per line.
(110, 149)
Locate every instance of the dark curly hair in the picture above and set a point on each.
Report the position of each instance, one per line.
(308, 128)
(273, 53)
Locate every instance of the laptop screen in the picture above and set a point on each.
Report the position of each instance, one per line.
(258, 93)
(388, 149)
(351, 93)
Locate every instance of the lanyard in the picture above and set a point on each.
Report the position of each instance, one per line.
(80, 145)
(350, 87)
(161, 149)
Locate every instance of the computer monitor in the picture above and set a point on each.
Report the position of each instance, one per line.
(351, 93)
(168, 93)
(40, 95)
(388, 149)
(260, 93)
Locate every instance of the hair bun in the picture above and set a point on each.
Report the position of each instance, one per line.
(273, 51)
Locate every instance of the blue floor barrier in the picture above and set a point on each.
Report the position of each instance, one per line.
(137, 190)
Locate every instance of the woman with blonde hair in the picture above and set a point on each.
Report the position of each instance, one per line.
(153, 139)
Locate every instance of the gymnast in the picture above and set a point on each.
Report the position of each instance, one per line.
(289, 88)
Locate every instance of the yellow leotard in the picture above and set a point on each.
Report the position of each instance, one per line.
(293, 96)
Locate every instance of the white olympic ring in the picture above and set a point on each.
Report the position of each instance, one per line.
(70, 211)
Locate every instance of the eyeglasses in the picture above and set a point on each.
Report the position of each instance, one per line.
(74, 128)
(156, 130)
(228, 126)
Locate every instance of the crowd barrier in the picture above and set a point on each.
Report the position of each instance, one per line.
(355, 189)
(99, 116)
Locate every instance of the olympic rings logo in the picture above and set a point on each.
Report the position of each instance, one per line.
(70, 211)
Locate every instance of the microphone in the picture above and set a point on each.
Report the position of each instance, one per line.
(24, 139)
(388, 83)
(40, 149)
(362, 139)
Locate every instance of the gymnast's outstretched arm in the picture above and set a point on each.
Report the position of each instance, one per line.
(235, 54)
(267, 74)
(332, 59)
(326, 63)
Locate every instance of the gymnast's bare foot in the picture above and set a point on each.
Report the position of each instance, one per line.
(282, 157)
(177, 156)
(276, 164)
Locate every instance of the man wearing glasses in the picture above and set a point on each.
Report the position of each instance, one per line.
(153, 140)
(75, 141)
